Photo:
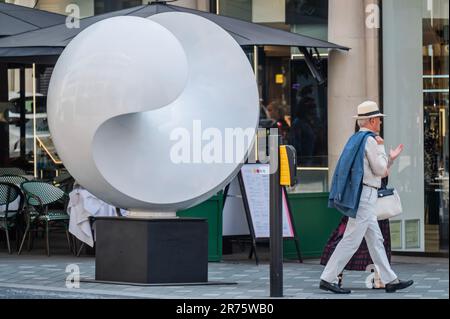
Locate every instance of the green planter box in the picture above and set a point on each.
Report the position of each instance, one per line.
(210, 209)
(314, 223)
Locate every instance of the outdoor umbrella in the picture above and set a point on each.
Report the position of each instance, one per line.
(42, 41)
(16, 19)
(51, 41)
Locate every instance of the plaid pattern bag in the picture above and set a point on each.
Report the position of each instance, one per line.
(361, 259)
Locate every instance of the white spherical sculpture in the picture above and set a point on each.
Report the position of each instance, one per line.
(126, 88)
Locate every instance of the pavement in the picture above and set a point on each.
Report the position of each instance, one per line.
(33, 275)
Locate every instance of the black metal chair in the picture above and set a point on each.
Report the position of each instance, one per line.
(8, 217)
(11, 171)
(40, 197)
(13, 179)
(20, 222)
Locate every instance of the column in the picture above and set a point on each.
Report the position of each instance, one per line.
(353, 76)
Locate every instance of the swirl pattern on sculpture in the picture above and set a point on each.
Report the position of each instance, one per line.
(124, 84)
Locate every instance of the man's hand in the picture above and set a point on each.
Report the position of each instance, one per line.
(379, 140)
(395, 153)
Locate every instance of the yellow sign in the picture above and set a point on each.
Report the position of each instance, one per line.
(287, 166)
(279, 78)
(285, 176)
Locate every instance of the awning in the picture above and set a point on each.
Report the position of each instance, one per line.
(15, 19)
(48, 43)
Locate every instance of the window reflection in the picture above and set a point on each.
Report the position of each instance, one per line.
(307, 11)
(435, 103)
(308, 132)
(104, 6)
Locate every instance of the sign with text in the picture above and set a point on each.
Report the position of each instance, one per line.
(256, 182)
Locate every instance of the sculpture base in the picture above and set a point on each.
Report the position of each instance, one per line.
(145, 214)
(207, 283)
(151, 251)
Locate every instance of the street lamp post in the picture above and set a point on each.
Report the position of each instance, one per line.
(276, 235)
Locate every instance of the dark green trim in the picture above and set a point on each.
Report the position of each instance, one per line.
(307, 195)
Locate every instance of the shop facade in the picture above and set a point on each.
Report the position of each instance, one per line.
(415, 94)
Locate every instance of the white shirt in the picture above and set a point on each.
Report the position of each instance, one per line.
(376, 162)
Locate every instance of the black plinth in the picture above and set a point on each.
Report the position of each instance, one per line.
(151, 250)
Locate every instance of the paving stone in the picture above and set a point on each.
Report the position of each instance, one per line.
(432, 278)
(41, 276)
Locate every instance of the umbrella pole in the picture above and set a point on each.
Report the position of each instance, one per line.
(4, 126)
(34, 121)
(255, 70)
(255, 63)
(217, 7)
(22, 113)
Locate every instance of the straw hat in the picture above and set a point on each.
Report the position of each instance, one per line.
(367, 110)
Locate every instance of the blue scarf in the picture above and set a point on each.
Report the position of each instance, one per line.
(346, 186)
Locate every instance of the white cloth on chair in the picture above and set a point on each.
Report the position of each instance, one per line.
(83, 205)
(12, 206)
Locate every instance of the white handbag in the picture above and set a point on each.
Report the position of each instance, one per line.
(388, 204)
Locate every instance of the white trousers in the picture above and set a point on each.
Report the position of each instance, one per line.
(365, 225)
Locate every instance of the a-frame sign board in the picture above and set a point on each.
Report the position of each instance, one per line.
(253, 181)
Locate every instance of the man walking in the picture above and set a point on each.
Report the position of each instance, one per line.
(354, 192)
